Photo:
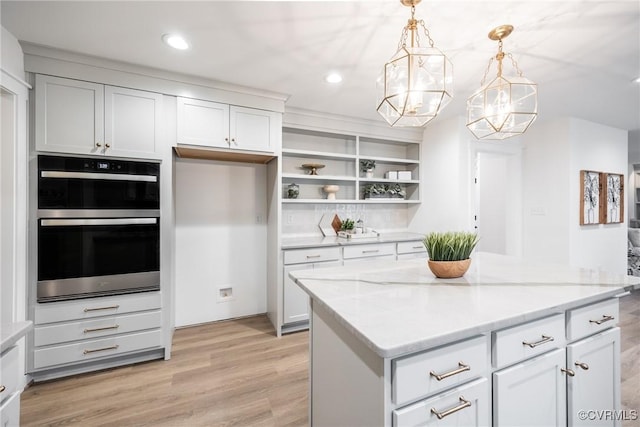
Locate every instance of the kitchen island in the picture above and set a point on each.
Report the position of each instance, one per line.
(392, 345)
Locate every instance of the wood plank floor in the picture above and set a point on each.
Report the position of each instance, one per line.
(233, 373)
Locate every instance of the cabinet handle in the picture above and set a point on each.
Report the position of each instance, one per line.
(568, 372)
(418, 247)
(98, 144)
(111, 307)
(462, 368)
(113, 347)
(107, 145)
(234, 141)
(313, 256)
(582, 365)
(465, 404)
(372, 251)
(106, 328)
(605, 318)
(226, 140)
(2, 388)
(545, 339)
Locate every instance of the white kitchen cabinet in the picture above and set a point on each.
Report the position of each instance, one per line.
(467, 405)
(295, 301)
(595, 385)
(215, 125)
(411, 250)
(531, 393)
(9, 388)
(79, 117)
(80, 335)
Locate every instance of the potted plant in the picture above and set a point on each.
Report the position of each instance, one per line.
(347, 225)
(367, 166)
(449, 252)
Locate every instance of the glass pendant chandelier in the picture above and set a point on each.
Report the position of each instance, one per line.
(417, 82)
(507, 105)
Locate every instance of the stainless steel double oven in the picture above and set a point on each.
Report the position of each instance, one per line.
(98, 227)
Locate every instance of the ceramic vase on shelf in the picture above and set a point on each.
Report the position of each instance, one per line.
(293, 190)
(331, 191)
(369, 173)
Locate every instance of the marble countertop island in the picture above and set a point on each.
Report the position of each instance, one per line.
(399, 307)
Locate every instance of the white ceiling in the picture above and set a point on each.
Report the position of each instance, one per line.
(583, 54)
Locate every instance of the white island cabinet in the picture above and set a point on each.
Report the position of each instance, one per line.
(508, 344)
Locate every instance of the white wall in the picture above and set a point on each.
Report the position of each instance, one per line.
(599, 148)
(546, 198)
(554, 153)
(634, 159)
(445, 179)
(219, 242)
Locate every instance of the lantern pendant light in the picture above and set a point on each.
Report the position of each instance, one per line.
(507, 105)
(417, 82)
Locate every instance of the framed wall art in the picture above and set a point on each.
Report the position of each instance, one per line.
(590, 188)
(612, 198)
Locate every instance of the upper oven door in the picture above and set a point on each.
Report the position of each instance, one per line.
(68, 183)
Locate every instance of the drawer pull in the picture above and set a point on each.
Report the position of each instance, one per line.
(604, 319)
(2, 388)
(440, 377)
(313, 256)
(582, 365)
(111, 307)
(545, 339)
(371, 251)
(106, 328)
(465, 404)
(113, 347)
(418, 247)
(568, 372)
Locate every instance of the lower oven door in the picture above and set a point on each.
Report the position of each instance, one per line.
(86, 257)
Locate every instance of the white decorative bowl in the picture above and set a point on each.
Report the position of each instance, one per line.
(331, 191)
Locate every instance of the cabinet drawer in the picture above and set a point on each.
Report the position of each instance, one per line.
(416, 255)
(9, 374)
(95, 349)
(422, 374)
(361, 251)
(411, 247)
(95, 307)
(521, 342)
(87, 329)
(299, 256)
(467, 405)
(593, 318)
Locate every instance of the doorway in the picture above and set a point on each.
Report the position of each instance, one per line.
(498, 200)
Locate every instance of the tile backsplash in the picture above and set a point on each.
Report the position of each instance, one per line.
(303, 219)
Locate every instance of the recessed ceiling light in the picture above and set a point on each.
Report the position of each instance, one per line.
(333, 78)
(175, 41)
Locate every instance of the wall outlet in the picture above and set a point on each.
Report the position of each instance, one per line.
(225, 294)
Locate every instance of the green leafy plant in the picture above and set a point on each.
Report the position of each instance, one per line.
(366, 165)
(450, 246)
(347, 224)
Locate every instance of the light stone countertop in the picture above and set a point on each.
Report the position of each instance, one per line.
(314, 242)
(399, 307)
(10, 333)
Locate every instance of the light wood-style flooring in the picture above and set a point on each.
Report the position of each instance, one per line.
(232, 373)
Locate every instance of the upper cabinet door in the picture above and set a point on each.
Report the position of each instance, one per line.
(202, 123)
(69, 116)
(255, 130)
(132, 122)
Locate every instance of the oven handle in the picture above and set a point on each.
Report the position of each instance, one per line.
(106, 221)
(97, 175)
